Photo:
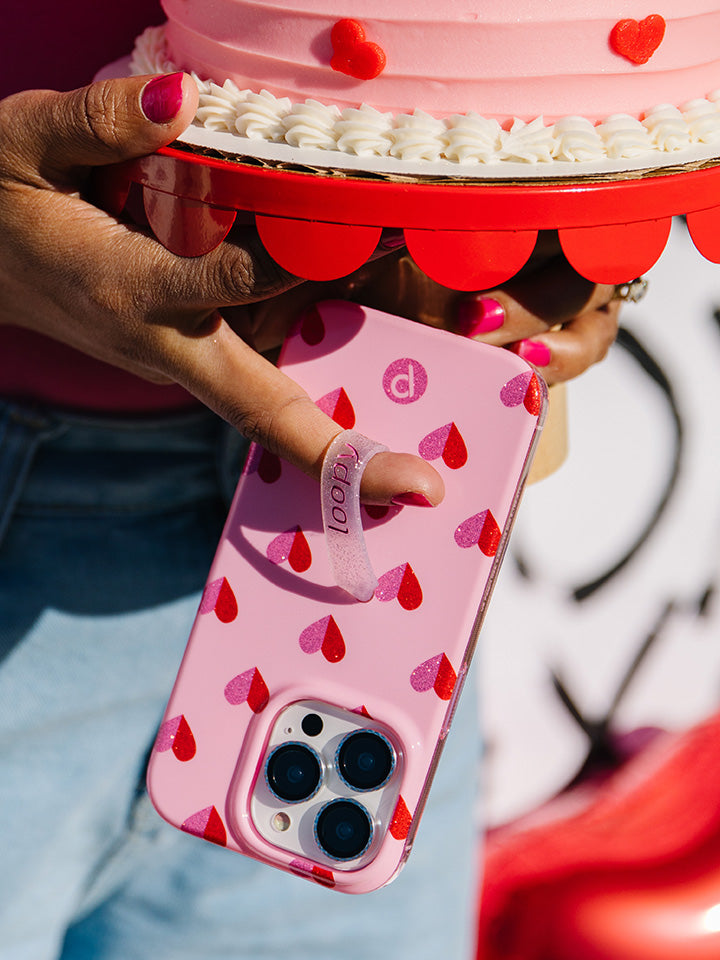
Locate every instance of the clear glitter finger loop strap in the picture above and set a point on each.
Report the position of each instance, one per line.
(342, 470)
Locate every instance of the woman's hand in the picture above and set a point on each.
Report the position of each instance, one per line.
(70, 271)
(548, 314)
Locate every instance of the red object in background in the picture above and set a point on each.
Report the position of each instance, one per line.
(466, 236)
(625, 870)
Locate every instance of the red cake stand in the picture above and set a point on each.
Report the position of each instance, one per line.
(466, 235)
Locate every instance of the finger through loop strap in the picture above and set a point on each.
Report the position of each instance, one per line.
(342, 470)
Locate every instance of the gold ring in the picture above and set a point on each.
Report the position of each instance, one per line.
(631, 292)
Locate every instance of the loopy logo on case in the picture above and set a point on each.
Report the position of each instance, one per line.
(405, 380)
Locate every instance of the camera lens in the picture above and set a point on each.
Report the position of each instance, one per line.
(312, 724)
(293, 772)
(343, 829)
(365, 760)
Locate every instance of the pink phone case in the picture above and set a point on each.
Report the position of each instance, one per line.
(276, 641)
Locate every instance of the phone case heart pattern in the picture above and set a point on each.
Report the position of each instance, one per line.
(272, 626)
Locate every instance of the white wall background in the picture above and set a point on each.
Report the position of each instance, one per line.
(577, 523)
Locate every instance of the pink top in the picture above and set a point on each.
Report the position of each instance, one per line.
(33, 367)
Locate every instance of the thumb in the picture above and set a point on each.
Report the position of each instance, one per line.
(105, 122)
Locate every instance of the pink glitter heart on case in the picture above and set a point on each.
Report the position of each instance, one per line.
(248, 687)
(206, 824)
(311, 871)
(481, 530)
(400, 583)
(292, 546)
(324, 635)
(445, 442)
(435, 674)
(219, 598)
(338, 407)
(362, 710)
(525, 389)
(176, 734)
(401, 821)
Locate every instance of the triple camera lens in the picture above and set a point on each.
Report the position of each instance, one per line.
(293, 772)
(343, 829)
(365, 760)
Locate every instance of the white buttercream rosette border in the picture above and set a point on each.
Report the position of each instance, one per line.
(468, 140)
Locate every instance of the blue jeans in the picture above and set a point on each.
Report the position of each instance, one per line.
(107, 530)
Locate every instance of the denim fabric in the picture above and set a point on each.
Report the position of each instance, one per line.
(107, 532)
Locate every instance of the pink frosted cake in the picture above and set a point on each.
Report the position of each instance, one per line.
(556, 86)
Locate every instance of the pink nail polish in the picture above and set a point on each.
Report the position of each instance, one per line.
(533, 351)
(479, 316)
(411, 499)
(162, 97)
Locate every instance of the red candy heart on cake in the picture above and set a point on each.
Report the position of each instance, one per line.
(353, 54)
(638, 41)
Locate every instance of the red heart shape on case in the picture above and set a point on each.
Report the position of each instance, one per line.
(218, 597)
(312, 327)
(269, 467)
(323, 635)
(305, 868)
(291, 545)
(445, 442)
(436, 674)
(362, 710)
(525, 389)
(353, 54)
(248, 687)
(206, 824)
(481, 529)
(338, 407)
(401, 821)
(638, 41)
(175, 734)
(376, 511)
(400, 583)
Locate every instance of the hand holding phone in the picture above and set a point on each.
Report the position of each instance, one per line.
(305, 725)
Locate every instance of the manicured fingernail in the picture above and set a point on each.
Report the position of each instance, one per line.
(479, 316)
(392, 239)
(162, 98)
(534, 351)
(411, 499)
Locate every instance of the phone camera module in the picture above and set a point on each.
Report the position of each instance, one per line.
(365, 760)
(293, 772)
(343, 829)
(312, 725)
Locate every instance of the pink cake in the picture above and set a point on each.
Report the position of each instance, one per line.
(564, 86)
